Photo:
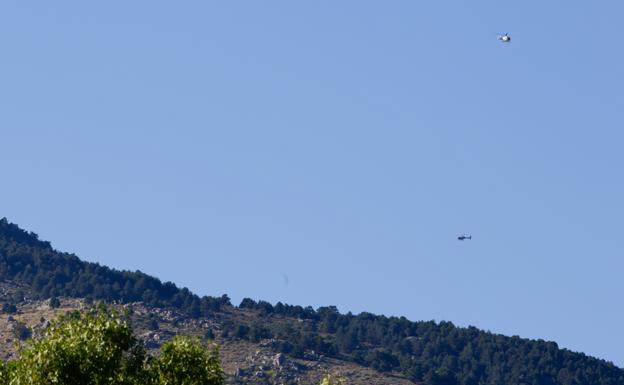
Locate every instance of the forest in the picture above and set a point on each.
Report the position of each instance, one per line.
(425, 351)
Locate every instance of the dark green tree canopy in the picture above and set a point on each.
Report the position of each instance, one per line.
(26, 259)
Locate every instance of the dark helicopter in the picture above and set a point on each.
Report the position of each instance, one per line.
(504, 38)
(463, 237)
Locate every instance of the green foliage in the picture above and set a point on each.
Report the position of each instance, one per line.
(21, 331)
(152, 324)
(9, 308)
(4, 373)
(94, 348)
(382, 361)
(186, 361)
(333, 380)
(99, 348)
(209, 335)
(54, 302)
(242, 331)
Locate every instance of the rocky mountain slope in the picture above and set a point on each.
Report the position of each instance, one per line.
(244, 362)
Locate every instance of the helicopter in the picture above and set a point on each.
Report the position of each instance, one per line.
(463, 237)
(504, 38)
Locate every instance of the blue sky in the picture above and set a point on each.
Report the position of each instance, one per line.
(223, 146)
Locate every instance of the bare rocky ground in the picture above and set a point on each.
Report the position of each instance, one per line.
(243, 361)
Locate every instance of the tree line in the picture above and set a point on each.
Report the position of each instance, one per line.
(428, 352)
(49, 273)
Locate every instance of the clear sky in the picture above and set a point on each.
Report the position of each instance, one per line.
(225, 146)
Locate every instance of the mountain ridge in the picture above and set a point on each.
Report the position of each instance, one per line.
(428, 352)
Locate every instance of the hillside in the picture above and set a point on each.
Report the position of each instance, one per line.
(266, 343)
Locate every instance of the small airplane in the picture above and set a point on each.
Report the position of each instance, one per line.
(504, 38)
(463, 237)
